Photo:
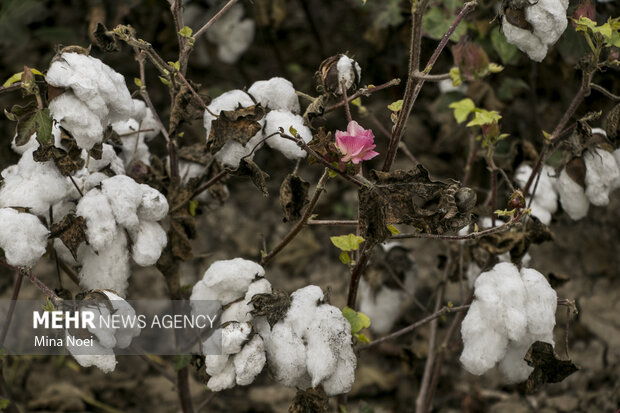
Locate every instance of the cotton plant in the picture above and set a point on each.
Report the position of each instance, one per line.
(232, 34)
(105, 338)
(383, 304)
(312, 345)
(511, 310)
(545, 202)
(545, 21)
(240, 355)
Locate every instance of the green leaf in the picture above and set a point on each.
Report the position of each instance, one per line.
(193, 204)
(350, 242)
(495, 68)
(332, 173)
(484, 117)
(4, 403)
(462, 109)
(455, 75)
(393, 229)
(506, 51)
(396, 106)
(293, 131)
(358, 320)
(164, 81)
(345, 258)
(362, 338)
(357, 102)
(137, 82)
(186, 31)
(15, 78)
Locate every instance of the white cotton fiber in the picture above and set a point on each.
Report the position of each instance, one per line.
(22, 237)
(249, 362)
(78, 119)
(545, 202)
(148, 242)
(107, 269)
(124, 195)
(95, 355)
(100, 223)
(153, 204)
(231, 34)
(287, 356)
(548, 21)
(227, 280)
(276, 93)
(234, 336)
(572, 197)
(224, 379)
(601, 175)
(348, 71)
(277, 119)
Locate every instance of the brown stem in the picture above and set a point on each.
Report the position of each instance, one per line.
(414, 84)
(472, 235)
(356, 273)
(363, 92)
(332, 222)
(320, 187)
(183, 389)
(9, 315)
(604, 91)
(432, 78)
(345, 102)
(416, 325)
(40, 285)
(13, 87)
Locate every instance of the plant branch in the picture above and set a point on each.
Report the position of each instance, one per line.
(9, 315)
(332, 222)
(320, 187)
(213, 19)
(363, 92)
(473, 235)
(604, 91)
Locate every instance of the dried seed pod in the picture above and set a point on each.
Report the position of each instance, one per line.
(336, 70)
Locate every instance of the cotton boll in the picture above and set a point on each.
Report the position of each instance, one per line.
(232, 34)
(231, 100)
(134, 148)
(279, 119)
(276, 93)
(548, 21)
(249, 362)
(148, 242)
(95, 355)
(108, 158)
(153, 204)
(227, 280)
(616, 155)
(383, 307)
(22, 237)
(225, 379)
(124, 195)
(348, 71)
(96, 84)
(234, 336)
(78, 119)
(100, 223)
(341, 381)
(601, 175)
(214, 364)
(34, 185)
(303, 306)
(545, 201)
(572, 197)
(287, 357)
(109, 269)
(513, 367)
(232, 152)
(241, 310)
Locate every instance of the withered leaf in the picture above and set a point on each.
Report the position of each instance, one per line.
(516, 240)
(185, 107)
(96, 152)
(30, 120)
(323, 144)
(612, 122)
(239, 125)
(272, 306)
(293, 197)
(67, 159)
(258, 177)
(309, 401)
(516, 17)
(195, 153)
(179, 238)
(315, 109)
(103, 40)
(548, 367)
(410, 197)
(71, 231)
(112, 138)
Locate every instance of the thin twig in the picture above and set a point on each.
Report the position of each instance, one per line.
(604, 91)
(320, 187)
(214, 18)
(363, 92)
(9, 315)
(345, 102)
(431, 78)
(41, 285)
(473, 235)
(332, 222)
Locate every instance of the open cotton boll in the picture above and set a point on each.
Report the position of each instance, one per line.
(224, 379)
(303, 306)
(107, 269)
(241, 310)
(78, 119)
(276, 93)
(231, 100)
(227, 280)
(148, 242)
(277, 119)
(124, 195)
(34, 185)
(541, 303)
(348, 71)
(100, 223)
(231, 153)
(286, 354)
(545, 201)
(95, 355)
(22, 237)
(548, 21)
(383, 307)
(250, 361)
(108, 158)
(96, 84)
(572, 197)
(153, 204)
(215, 363)
(234, 336)
(231, 34)
(601, 175)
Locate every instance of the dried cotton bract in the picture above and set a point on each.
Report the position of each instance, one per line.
(548, 21)
(512, 309)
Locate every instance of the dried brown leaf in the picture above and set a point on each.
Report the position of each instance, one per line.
(71, 231)
(293, 197)
(239, 125)
(548, 367)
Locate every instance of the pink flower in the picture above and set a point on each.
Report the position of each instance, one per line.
(356, 144)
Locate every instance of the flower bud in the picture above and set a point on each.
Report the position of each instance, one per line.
(471, 60)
